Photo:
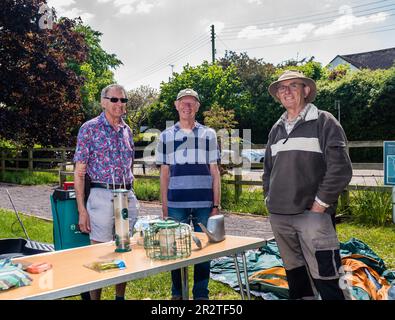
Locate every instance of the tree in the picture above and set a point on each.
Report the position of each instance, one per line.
(40, 101)
(218, 118)
(222, 121)
(96, 70)
(307, 66)
(213, 83)
(139, 104)
(255, 76)
(366, 98)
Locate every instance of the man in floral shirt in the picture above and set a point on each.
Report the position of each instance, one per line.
(104, 152)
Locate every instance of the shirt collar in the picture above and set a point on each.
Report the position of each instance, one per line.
(103, 120)
(196, 126)
(302, 114)
(312, 113)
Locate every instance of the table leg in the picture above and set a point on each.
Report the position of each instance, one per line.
(239, 277)
(246, 275)
(184, 283)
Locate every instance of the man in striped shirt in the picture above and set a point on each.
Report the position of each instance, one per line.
(189, 180)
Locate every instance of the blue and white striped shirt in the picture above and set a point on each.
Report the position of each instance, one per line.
(189, 154)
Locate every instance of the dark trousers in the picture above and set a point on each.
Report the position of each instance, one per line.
(201, 274)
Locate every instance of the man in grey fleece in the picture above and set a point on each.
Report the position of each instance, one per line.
(306, 169)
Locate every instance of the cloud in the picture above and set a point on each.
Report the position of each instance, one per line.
(130, 6)
(126, 9)
(348, 21)
(144, 7)
(60, 3)
(328, 3)
(258, 2)
(63, 10)
(345, 9)
(298, 33)
(252, 32)
(75, 13)
(119, 3)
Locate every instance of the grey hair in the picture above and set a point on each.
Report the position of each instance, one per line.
(110, 86)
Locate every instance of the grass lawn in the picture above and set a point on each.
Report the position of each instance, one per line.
(379, 239)
(29, 178)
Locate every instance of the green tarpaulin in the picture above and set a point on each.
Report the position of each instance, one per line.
(268, 256)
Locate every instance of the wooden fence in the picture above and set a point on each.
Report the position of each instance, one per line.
(28, 160)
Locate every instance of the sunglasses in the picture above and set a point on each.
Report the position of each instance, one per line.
(115, 100)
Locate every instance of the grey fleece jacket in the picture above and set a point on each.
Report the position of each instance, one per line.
(311, 161)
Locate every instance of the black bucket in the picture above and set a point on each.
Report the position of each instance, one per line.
(14, 248)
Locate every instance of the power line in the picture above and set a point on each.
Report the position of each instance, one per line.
(173, 58)
(220, 39)
(339, 35)
(227, 34)
(144, 75)
(235, 34)
(179, 55)
(284, 32)
(292, 18)
(175, 53)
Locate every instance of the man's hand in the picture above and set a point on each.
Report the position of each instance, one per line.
(83, 221)
(214, 211)
(317, 207)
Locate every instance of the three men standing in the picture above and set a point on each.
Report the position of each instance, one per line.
(189, 179)
(306, 168)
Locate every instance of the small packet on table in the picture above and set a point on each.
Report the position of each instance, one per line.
(106, 265)
(38, 267)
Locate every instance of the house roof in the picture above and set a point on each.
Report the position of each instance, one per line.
(379, 59)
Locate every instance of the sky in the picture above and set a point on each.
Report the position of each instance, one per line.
(154, 38)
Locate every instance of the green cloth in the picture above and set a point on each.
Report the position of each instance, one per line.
(268, 256)
(12, 275)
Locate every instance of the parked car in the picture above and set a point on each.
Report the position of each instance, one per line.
(248, 156)
(253, 155)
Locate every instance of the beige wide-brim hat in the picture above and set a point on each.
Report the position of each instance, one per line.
(291, 74)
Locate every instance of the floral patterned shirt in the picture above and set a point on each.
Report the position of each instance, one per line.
(105, 150)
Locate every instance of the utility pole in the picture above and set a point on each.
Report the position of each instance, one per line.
(172, 68)
(337, 106)
(213, 43)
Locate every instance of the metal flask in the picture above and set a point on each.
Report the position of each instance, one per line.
(215, 230)
(121, 216)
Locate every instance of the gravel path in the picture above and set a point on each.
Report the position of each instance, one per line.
(34, 200)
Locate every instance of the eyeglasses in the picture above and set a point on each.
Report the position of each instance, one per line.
(192, 104)
(115, 100)
(292, 87)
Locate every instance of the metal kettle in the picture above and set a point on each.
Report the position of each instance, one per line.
(215, 230)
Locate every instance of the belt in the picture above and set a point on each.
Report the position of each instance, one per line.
(109, 185)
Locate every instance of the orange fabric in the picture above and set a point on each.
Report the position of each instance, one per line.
(277, 274)
(358, 278)
(355, 276)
